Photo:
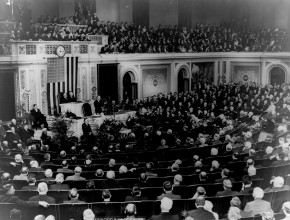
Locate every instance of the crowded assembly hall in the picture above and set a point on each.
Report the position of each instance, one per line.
(144, 109)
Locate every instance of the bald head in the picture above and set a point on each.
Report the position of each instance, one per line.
(131, 210)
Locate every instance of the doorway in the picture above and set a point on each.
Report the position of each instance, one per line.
(7, 101)
(183, 80)
(277, 76)
(108, 81)
(129, 86)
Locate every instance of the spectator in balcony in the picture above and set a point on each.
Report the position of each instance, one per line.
(200, 213)
(42, 190)
(8, 196)
(136, 195)
(167, 188)
(258, 206)
(110, 182)
(166, 205)
(234, 213)
(59, 179)
(31, 183)
(247, 185)
(74, 197)
(278, 185)
(23, 174)
(227, 184)
(88, 214)
(48, 177)
(64, 169)
(76, 176)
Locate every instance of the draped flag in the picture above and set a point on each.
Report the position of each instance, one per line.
(62, 74)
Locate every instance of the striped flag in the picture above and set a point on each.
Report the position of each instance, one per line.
(62, 74)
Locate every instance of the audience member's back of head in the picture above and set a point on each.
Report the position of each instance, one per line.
(167, 186)
(130, 210)
(200, 201)
(42, 188)
(234, 213)
(39, 217)
(88, 214)
(15, 214)
(258, 193)
(166, 204)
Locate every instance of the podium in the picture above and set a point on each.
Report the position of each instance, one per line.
(75, 107)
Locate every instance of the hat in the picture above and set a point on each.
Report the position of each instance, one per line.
(18, 158)
(227, 183)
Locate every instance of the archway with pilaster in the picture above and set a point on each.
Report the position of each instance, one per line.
(128, 82)
(277, 64)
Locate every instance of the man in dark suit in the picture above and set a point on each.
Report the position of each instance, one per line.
(2, 132)
(74, 197)
(87, 131)
(58, 183)
(167, 187)
(38, 117)
(136, 195)
(71, 97)
(98, 105)
(31, 183)
(227, 184)
(13, 138)
(200, 213)
(166, 205)
(42, 190)
(27, 136)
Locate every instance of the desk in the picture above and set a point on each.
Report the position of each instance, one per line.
(94, 121)
(76, 107)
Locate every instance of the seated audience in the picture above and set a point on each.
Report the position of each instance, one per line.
(167, 188)
(59, 183)
(42, 190)
(74, 197)
(258, 206)
(166, 205)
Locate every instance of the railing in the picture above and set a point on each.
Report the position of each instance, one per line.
(47, 48)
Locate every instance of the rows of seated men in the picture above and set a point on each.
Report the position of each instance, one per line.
(131, 38)
(199, 158)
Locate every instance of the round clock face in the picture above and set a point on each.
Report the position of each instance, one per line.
(60, 51)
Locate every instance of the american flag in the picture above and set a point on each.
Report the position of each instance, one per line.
(62, 74)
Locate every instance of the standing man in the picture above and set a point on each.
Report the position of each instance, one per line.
(98, 105)
(38, 117)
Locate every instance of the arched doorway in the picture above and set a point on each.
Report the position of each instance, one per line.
(183, 80)
(277, 76)
(129, 86)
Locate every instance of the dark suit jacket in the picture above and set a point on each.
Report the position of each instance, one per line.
(135, 198)
(44, 198)
(16, 200)
(58, 186)
(86, 129)
(29, 188)
(164, 216)
(169, 195)
(201, 214)
(98, 106)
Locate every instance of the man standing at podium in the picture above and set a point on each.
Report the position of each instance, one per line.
(98, 105)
